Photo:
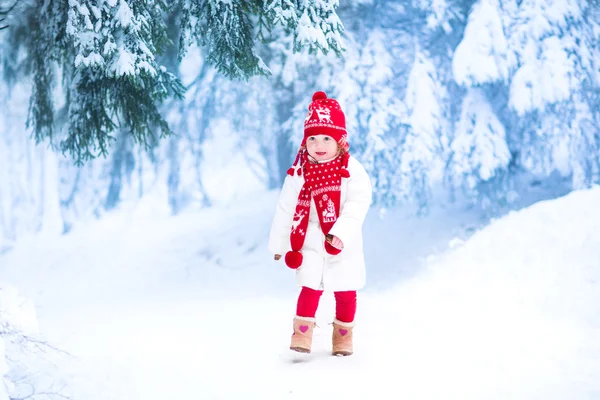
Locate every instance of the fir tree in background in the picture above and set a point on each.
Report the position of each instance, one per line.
(554, 64)
(479, 149)
(479, 152)
(482, 55)
(422, 146)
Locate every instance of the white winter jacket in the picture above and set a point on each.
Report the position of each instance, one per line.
(319, 269)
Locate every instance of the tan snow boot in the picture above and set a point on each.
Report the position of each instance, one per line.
(303, 333)
(342, 338)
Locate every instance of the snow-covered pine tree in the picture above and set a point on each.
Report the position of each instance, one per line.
(421, 150)
(433, 29)
(482, 55)
(226, 29)
(315, 24)
(589, 162)
(440, 14)
(376, 112)
(479, 154)
(555, 52)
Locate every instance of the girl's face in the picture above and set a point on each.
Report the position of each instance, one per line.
(321, 147)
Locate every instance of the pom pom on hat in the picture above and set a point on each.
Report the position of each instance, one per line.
(319, 96)
(293, 259)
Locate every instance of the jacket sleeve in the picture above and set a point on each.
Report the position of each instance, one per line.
(279, 237)
(353, 211)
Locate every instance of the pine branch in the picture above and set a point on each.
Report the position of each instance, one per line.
(112, 80)
(6, 12)
(226, 30)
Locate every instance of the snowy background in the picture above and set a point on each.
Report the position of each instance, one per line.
(144, 274)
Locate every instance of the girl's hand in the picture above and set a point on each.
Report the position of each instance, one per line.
(277, 257)
(337, 243)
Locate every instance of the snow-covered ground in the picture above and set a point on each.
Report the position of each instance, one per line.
(193, 307)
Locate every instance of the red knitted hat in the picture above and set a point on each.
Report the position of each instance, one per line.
(325, 117)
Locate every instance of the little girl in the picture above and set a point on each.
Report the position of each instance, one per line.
(318, 224)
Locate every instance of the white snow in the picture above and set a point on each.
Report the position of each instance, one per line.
(308, 34)
(543, 43)
(124, 16)
(193, 307)
(544, 82)
(125, 63)
(438, 13)
(481, 57)
(92, 59)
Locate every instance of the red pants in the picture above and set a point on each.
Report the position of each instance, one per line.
(345, 304)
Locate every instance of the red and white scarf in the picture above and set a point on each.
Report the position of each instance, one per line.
(323, 183)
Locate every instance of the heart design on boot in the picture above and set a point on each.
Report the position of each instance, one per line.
(343, 332)
(303, 328)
